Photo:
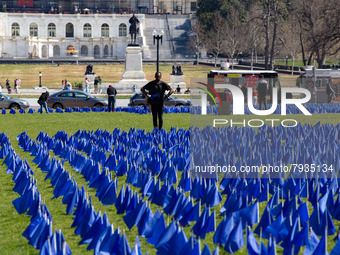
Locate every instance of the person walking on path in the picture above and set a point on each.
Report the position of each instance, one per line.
(42, 101)
(262, 88)
(17, 85)
(155, 97)
(8, 86)
(111, 93)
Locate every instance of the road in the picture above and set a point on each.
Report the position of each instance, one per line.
(34, 104)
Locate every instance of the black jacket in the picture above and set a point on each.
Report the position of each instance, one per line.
(43, 97)
(111, 91)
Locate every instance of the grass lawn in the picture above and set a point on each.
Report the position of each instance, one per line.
(12, 224)
(53, 75)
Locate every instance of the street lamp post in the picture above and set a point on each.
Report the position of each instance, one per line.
(40, 79)
(156, 37)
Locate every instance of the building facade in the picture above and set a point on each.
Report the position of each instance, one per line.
(26, 35)
(100, 6)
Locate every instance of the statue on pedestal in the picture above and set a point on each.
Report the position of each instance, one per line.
(179, 70)
(89, 69)
(176, 70)
(173, 70)
(133, 30)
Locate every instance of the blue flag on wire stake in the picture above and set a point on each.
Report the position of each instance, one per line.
(236, 239)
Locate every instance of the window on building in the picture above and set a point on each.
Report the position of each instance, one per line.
(56, 51)
(51, 30)
(193, 6)
(106, 51)
(34, 29)
(122, 30)
(15, 29)
(87, 30)
(69, 30)
(161, 7)
(96, 51)
(105, 30)
(84, 51)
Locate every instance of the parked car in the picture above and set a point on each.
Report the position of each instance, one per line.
(12, 103)
(75, 98)
(139, 99)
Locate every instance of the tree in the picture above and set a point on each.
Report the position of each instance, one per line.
(272, 13)
(291, 39)
(206, 11)
(215, 38)
(253, 33)
(195, 42)
(320, 23)
(233, 29)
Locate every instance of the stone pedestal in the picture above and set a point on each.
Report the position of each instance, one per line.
(133, 74)
(133, 66)
(176, 80)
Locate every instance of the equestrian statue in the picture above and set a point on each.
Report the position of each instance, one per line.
(134, 29)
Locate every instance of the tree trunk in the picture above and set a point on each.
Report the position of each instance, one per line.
(302, 50)
(266, 48)
(293, 60)
(272, 52)
(310, 59)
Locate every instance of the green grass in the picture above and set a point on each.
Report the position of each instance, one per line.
(13, 224)
(297, 63)
(52, 75)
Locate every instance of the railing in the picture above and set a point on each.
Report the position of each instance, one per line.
(171, 41)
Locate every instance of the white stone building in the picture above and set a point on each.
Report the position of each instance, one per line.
(48, 36)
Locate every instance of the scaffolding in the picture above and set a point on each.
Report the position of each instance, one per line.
(99, 6)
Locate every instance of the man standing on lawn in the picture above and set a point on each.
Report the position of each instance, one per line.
(262, 88)
(111, 93)
(155, 97)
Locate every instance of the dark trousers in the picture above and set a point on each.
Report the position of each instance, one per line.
(43, 104)
(329, 98)
(112, 101)
(157, 111)
(262, 100)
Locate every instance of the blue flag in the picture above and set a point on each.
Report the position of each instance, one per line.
(336, 249)
(321, 249)
(252, 245)
(166, 235)
(265, 221)
(206, 250)
(223, 230)
(248, 214)
(312, 243)
(236, 239)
